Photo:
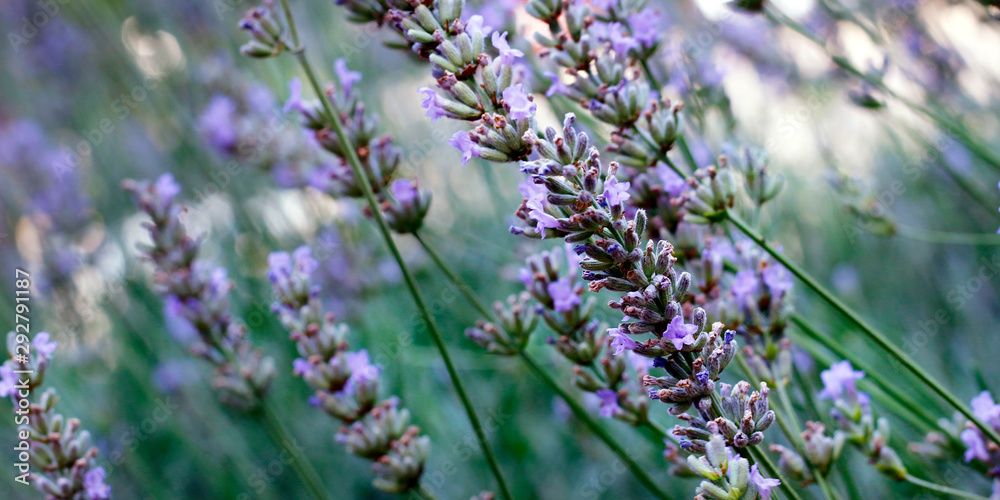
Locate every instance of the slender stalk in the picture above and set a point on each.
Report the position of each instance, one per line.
(594, 427)
(945, 490)
(580, 412)
(283, 438)
(362, 179)
(459, 283)
(868, 330)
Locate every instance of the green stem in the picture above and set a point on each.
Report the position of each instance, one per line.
(940, 488)
(362, 180)
(425, 494)
(870, 331)
(282, 438)
(594, 427)
(459, 283)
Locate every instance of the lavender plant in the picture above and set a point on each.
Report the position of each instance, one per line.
(58, 446)
(345, 382)
(197, 297)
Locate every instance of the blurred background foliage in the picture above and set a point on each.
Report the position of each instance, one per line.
(123, 84)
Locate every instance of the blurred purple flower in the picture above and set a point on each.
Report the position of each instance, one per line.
(517, 101)
(347, 77)
(404, 191)
(557, 87)
(840, 378)
(609, 402)
(433, 103)
(93, 484)
(764, 484)
(563, 296)
(620, 341)
(463, 142)
(507, 54)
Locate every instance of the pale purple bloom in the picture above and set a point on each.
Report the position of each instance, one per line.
(673, 184)
(620, 40)
(463, 142)
(516, 100)
(279, 266)
(645, 26)
(93, 484)
(840, 378)
(679, 333)
(294, 96)
(433, 103)
(975, 445)
(557, 87)
(8, 381)
(777, 279)
(476, 24)
(217, 122)
(44, 345)
(744, 285)
(986, 409)
(620, 341)
(764, 484)
(563, 296)
(615, 193)
(301, 367)
(404, 191)
(177, 321)
(532, 191)
(507, 54)
(609, 402)
(361, 370)
(542, 218)
(304, 261)
(164, 191)
(347, 77)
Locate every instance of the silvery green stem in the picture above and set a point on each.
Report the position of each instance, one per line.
(359, 173)
(940, 488)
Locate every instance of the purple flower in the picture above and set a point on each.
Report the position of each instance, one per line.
(975, 445)
(304, 261)
(557, 87)
(777, 279)
(93, 484)
(164, 191)
(294, 96)
(620, 341)
(476, 24)
(518, 103)
(679, 333)
(463, 142)
(8, 381)
(609, 402)
(301, 367)
(507, 54)
(347, 77)
(645, 26)
(433, 103)
(361, 370)
(604, 4)
(543, 219)
(621, 42)
(563, 296)
(532, 191)
(763, 484)
(177, 321)
(217, 122)
(985, 409)
(279, 266)
(404, 191)
(744, 285)
(44, 346)
(673, 184)
(839, 378)
(615, 193)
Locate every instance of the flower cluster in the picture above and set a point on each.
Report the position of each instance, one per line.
(728, 476)
(60, 449)
(978, 447)
(853, 414)
(345, 382)
(197, 296)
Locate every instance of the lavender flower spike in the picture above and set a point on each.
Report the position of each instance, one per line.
(61, 452)
(197, 296)
(345, 382)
